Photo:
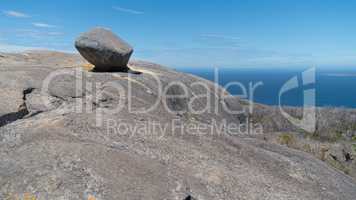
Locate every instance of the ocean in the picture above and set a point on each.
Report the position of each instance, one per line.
(334, 87)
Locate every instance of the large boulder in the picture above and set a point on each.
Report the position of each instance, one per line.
(104, 49)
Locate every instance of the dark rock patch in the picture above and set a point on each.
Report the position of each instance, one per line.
(347, 156)
(20, 114)
(189, 198)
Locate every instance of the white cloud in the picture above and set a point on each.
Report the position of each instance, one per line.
(222, 57)
(31, 33)
(127, 10)
(9, 48)
(217, 36)
(43, 25)
(12, 13)
(55, 33)
(14, 48)
(217, 40)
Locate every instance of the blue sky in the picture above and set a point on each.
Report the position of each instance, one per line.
(195, 33)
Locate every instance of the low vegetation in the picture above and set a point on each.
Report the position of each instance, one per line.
(286, 139)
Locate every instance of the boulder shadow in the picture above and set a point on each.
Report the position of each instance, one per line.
(116, 69)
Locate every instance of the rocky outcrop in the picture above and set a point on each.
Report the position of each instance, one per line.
(62, 153)
(105, 50)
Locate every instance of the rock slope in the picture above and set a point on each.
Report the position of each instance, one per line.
(60, 152)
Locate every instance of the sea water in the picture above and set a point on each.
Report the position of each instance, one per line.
(334, 87)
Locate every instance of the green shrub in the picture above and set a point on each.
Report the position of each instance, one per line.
(354, 147)
(336, 136)
(353, 127)
(338, 165)
(307, 148)
(354, 138)
(286, 139)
